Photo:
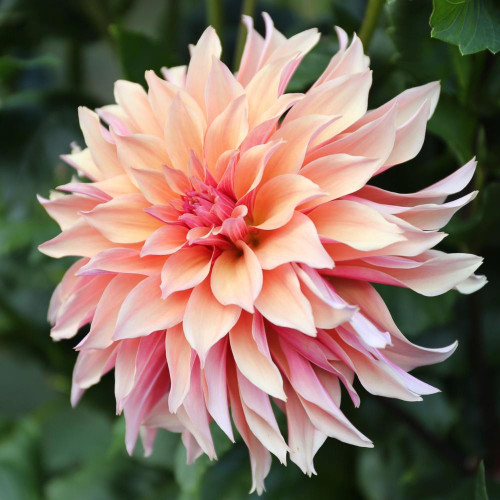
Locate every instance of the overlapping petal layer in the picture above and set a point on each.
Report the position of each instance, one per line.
(228, 241)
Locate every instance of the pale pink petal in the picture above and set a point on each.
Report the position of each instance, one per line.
(260, 418)
(140, 151)
(409, 138)
(125, 370)
(297, 135)
(83, 162)
(346, 96)
(251, 53)
(103, 324)
(79, 308)
(339, 174)
(160, 95)
(216, 386)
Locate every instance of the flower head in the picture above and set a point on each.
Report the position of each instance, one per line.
(228, 240)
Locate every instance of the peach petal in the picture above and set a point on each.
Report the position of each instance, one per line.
(277, 199)
(179, 362)
(123, 219)
(237, 277)
(253, 364)
(206, 320)
(144, 311)
(282, 302)
(185, 269)
(296, 241)
(355, 225)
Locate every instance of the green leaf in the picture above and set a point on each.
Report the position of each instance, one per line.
(453, 123)
(189, 477)
(72, 436)
(19, 471)
(480, 492)
(138, 53)
(473, 25)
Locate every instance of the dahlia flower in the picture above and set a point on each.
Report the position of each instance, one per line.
(228, 241)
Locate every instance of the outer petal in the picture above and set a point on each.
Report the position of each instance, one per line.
(103, 153)
(123, 219)
(351, 223)
(216, 387)
(206, 320)
(104, 321)
(65, 209)
(179, 365)
(122, 260)
(79, 240)
(133, 99)
(208, 46)
(254, 365)
(144, 311)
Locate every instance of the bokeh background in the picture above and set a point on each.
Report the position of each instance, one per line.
(58, 54)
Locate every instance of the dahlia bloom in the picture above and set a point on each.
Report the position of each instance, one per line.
(227, 242)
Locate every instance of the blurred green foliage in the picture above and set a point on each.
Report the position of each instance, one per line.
(58, 54)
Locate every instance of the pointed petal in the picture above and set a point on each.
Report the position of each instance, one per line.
(123, 219)
(144, 311)
(277, 199)
(282, 303)
(237, 277)
(257, 368)
(185, 269)
(206, 320)
(355, 225)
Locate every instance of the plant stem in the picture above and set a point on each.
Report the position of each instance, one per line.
(248, 10)
(214, 15)
(465, 465)
(372, 14)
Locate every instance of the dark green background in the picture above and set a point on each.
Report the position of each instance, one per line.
(58, 54)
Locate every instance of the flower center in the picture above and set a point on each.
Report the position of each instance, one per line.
(206, 206)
